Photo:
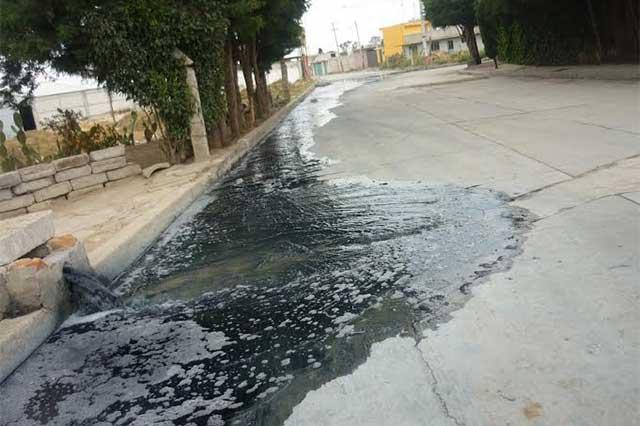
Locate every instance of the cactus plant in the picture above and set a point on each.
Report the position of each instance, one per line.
(7, 160)
(31, 156)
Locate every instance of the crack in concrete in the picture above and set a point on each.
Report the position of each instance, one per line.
(515, 114)
(434, 388)
(579, 176)
(602, 197)
(602, 126)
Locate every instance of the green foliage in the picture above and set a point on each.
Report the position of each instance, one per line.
(8, 159)
(129, 48)
(549, 32)
(141, 63)
(72, 139)
(397, 61)
(442, 13)
(488, 15)
(281, 30)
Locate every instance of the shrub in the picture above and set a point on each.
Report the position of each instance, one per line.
(396, 61)
(72, 139)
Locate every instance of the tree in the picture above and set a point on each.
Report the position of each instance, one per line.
(279, 35)
(549, 32)
(462, 13)
(128, 47)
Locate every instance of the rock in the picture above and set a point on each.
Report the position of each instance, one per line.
(121, 182)
(71, 162)
(52, 191)
(41, 251)
(5, 300)
(32, 186)
(5, 194)
(13, 213)
(108, 164)
(148, 171)
(20, 336)
(16, 203)
(39, 171)
(62, 242)
(80, 192)
(87, 181)
(38, 207)
(73, 173)
(20, 235)
(67, 250)
(103, 154)
(9, 179)
(130, 170)
(34, 283)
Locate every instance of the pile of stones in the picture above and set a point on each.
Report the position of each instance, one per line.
(32, 189)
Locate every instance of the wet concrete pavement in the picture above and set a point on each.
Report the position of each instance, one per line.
(275, 282)
(556, 339)
(392, 301)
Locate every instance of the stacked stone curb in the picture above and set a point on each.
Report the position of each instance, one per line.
(32, 189)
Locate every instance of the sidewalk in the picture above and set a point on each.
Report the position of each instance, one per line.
(592, 72)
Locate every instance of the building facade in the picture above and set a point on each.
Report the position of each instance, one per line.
(444, 40)
(393, 37)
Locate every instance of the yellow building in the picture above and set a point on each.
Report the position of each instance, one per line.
(393, 36)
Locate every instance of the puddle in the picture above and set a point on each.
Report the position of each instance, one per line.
(276, 281)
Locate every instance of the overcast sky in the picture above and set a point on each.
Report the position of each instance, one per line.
(371, 15)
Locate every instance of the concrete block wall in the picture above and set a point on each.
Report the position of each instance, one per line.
(34, 296)
(32, 188)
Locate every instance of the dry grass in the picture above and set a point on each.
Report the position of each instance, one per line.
(44, 141)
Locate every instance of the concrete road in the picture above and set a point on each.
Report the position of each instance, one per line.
(556, 339)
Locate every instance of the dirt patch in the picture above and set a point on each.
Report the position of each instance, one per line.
(146, 154)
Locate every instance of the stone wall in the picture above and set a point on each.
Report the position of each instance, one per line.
(32, 189)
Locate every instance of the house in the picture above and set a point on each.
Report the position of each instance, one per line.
(393, 37)
(331, 63)
(447, 40)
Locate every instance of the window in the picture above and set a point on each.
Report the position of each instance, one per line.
(450, 44)
(435, 46)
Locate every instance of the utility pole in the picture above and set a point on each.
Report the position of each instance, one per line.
(335, 36)
(359, 44)
(425, 47)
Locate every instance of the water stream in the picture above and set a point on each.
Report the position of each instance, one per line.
(276, 281)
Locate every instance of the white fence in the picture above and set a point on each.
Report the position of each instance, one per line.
(92, 103)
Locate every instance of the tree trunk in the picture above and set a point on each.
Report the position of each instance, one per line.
(113, 114)
(236, 58)
(245, 64)
(596, 33)
(262, 92)
(285, 80)
(470, 38)
(230, 91)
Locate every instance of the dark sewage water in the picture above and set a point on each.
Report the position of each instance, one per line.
(274, 282)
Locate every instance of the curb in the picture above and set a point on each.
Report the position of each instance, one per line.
(128, 244)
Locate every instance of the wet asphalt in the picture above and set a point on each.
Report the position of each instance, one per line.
(275, 281)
